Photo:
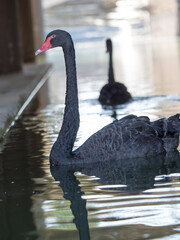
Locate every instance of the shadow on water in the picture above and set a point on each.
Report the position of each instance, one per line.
(20, 162)
(136, 102)
(136, 175)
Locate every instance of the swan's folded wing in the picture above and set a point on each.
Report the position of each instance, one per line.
(128, 137)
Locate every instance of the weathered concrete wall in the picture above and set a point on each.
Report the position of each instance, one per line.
(16, 91)
(10, 44)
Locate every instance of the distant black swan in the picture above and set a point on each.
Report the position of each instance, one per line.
(113, 93)
(129, 137)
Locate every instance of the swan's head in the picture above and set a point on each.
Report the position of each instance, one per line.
(108, 45)
(56, 38)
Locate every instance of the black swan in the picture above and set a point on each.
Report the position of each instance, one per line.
(113, 93)
(129, 137)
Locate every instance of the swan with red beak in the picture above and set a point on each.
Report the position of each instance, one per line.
(129, 137)
(46, 45)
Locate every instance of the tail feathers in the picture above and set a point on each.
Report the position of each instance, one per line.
(168, 126)
(158, 126)
(172, 132)
(173, 124)
(169, 131)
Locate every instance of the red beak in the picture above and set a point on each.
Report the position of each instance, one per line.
(46, 45)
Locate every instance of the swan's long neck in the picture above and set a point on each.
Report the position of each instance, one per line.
(70, 123)
(111, 72)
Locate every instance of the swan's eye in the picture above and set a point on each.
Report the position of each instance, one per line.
(53, 36)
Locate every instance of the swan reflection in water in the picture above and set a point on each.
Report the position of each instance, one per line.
(136, 174)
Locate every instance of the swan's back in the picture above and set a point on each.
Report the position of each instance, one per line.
(131, 137)
(114, 94)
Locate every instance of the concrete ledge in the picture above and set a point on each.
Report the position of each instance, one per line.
(17, 90)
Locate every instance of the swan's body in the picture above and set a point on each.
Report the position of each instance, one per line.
(129, 137)
(113, 93)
